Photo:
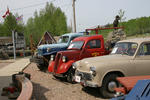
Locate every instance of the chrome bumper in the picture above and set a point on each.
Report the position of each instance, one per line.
(88, 83)
(38, 59)
(86, 79)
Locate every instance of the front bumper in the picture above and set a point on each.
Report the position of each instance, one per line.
(38, 60)
(86, 79)
(86, 83)
(58, 75)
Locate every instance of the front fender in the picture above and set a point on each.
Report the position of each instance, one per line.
(51, 66)
(104, 73)
(64, 67)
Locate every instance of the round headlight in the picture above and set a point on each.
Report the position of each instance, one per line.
(52, 57)
(64, 59)
(48, 49)
(92, 68)
(93, 71)
(74, 66)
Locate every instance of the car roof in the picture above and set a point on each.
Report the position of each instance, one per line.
(137, 40)
(87, 37)
(73, 34)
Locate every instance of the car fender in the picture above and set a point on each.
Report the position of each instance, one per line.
(65, 66)
(107, 72)
(51, 66)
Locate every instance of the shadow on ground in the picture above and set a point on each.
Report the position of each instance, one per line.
(92, 91)
(38, 92)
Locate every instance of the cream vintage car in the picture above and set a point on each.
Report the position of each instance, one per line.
(128, 58)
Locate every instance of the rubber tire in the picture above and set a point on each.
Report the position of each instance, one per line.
(104, 90)
(56, 77)
(70, 76)
(42, 67)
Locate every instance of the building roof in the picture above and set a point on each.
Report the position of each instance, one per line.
(47, 39)
(4, 40)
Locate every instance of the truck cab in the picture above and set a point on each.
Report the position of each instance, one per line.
(81, 47)
(44, 51)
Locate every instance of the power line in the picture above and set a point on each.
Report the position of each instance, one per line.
(34, 5)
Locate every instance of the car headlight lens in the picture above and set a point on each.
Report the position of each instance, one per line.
(64, 59)
(52, 57)
(93, 71)
(48, 49)
(74, 65)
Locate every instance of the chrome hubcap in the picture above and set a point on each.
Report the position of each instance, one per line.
(111, 86)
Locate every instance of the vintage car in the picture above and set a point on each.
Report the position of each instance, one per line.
(44, 51)
(128, 58)
(81, 47)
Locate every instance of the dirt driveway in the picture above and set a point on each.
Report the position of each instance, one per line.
(46, 87)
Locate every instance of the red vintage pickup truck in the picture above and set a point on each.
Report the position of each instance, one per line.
(81, 47)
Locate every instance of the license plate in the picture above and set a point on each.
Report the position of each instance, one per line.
(77, 79)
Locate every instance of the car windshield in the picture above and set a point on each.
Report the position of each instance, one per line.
(127, 48)
(76, 45)
(63, 39)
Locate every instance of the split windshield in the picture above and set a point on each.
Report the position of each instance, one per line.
(63, 39)
(76, 45)
(125, 48)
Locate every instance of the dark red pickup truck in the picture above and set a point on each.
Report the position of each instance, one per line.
(81, 47)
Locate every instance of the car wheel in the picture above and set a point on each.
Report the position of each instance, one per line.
(40, 67)
(70, 76)
(108, 85)
(43, 67)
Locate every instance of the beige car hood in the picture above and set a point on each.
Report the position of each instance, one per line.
(102, 61)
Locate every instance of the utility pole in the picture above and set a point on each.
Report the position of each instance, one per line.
(14, 43)
(71, 26)
(74, 16)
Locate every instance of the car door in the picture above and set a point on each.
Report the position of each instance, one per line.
(93, 48)
(142, 60)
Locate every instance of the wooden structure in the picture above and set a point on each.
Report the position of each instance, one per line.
(5, 40)
(101, 28)
(47, 38)
(129, 82)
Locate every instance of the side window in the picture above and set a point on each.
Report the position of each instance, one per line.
(94, 44)
(144, 49)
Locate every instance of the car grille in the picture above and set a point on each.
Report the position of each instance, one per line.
(57, 59)
(39, 52)
(84, 76)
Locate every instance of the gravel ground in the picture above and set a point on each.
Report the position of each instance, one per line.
(4, 63)
(46, 87)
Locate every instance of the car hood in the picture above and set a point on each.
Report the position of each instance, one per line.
(71, 54)
(60, 45)
(102, 61)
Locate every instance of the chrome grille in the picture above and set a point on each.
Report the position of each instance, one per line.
(84, 76)
(57, 59)
(39, 52)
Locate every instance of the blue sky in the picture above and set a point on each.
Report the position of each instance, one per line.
(89, 13)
